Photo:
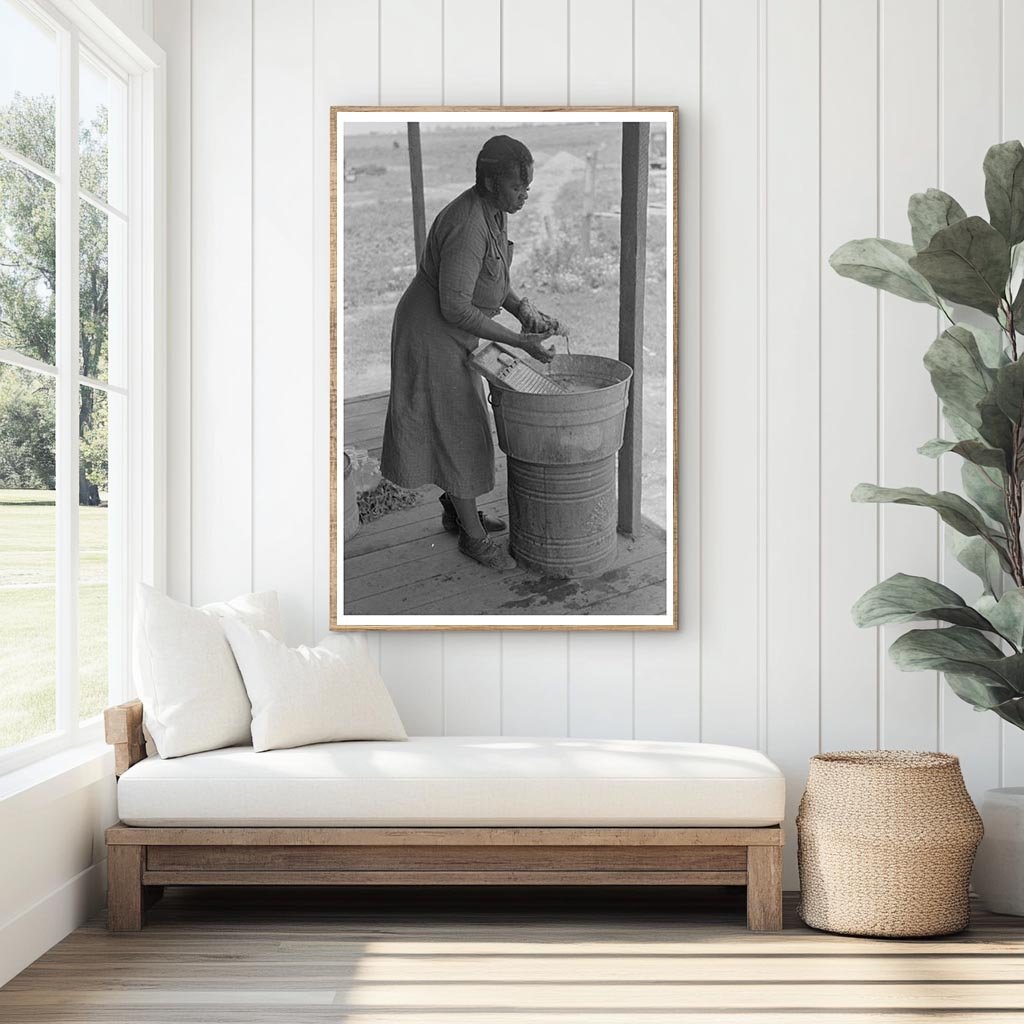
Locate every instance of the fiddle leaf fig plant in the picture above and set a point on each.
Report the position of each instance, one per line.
(978, 375)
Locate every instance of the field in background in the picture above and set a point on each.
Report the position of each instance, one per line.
(28, 614)
(549, 264)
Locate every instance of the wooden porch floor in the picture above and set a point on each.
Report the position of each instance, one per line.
(406, 564)
(663, 955)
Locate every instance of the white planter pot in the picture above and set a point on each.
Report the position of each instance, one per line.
(998, 877)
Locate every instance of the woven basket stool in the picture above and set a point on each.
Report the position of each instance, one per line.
(885, 844)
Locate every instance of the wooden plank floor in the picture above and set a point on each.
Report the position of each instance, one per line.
(219, 956)
(405, 563)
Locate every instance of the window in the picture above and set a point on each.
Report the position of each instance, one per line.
(76, 353)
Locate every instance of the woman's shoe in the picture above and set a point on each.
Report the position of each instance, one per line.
(450, 519)
(486, 552)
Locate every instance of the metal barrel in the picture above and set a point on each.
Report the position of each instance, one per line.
(563, 509)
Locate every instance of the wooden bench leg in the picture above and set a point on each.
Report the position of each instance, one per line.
(125, 897)
(764, 888)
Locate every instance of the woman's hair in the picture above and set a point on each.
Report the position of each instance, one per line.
(500, 156)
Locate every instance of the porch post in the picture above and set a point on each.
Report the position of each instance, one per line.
(419, 222)
(632, 268)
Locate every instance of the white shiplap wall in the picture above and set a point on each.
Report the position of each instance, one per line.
(804, 123)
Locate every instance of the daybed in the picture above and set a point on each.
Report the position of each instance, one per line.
(444, 811)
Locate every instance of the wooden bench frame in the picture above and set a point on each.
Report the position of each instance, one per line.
(142, 860)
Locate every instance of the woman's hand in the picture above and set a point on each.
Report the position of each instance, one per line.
(534, 321)
(529, 316)
(532, 345)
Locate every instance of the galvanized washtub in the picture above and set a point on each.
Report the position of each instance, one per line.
(561, 450)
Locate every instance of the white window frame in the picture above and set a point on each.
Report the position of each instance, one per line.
(141, 64)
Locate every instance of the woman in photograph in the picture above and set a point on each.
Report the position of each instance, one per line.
(438, 429)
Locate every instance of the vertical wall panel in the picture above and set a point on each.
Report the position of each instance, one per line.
(472, 684)
(745, 75)
(792, 386)
(909, 414)
(472, 75)
(849, 372)
(472, 52)
(413, 671)
(344, 54)
(128, 14)
(410, 51)
(601, 37)
(969, 124)
(411, 72)
(1012, 127)
(173, 30)
(373, 646)
(535, 63)
(345, 48)
(601, 685)
(599, 77)
(535, 69)
(729, 496)
(535, 681)
(283, 309)
(667, 665)
(221, 528)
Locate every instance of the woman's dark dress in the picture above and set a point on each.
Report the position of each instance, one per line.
(438, 428)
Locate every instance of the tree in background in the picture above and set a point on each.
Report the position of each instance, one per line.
(28, 286)
(26, 430)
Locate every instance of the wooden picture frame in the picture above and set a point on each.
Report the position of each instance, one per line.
(589, 260)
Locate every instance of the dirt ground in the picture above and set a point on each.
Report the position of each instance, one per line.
(550, 265)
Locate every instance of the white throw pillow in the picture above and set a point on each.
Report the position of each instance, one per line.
(309, 694)
(192, 693)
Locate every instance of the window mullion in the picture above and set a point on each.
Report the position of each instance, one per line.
(67, 386)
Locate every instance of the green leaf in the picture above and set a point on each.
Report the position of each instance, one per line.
(1011, 711)
(930, 212)
(1016, 278)
(964, 652)
(995, 428)
(1015, 286)
(976, 555)
(883, 264)
(903, 598)
(1009, 390)
(973, 451)
(967, 263)
(982, 694)
(1006, 614)
(1004, 189)
(962, 430)
(986, 488)
(958, 372)
(1016, 309)
(952, 509)
(944, 650)
(990, 345)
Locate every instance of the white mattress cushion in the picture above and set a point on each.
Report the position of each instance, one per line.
(459, 780)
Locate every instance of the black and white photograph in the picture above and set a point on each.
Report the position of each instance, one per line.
(503, 356)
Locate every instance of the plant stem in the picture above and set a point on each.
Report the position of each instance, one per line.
(1013, 510)
(1012, 496)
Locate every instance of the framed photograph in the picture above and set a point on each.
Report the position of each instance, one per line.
(504, 352)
